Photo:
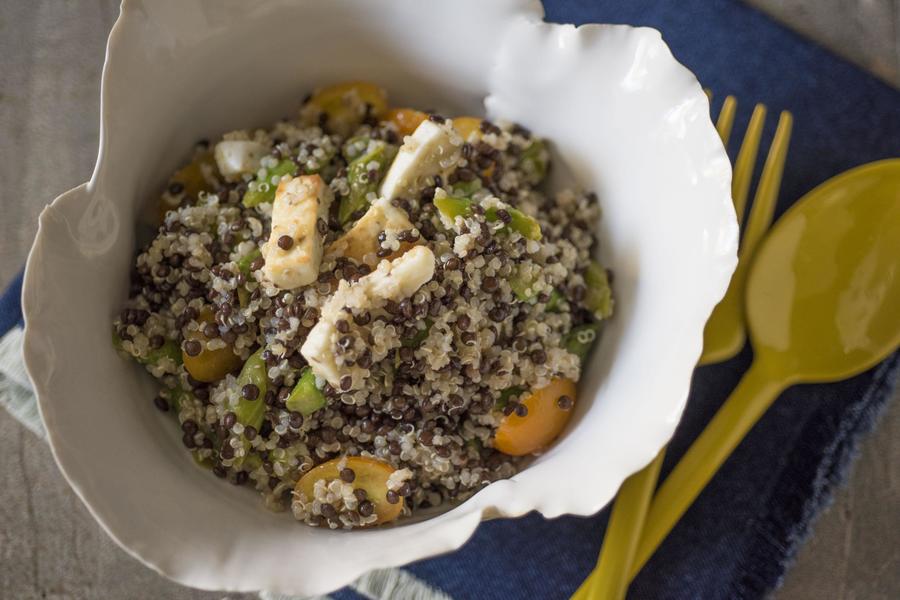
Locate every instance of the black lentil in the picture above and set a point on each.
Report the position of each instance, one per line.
(161, 403)
(565, 403)
(366, 508)
(250, 392)
(176, 187)
(192, 348)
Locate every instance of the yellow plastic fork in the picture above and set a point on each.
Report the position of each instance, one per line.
(723, 338)
(726, 330)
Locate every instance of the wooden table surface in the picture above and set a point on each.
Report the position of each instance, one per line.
(50, 547)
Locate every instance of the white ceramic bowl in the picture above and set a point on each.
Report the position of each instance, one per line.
(626, 119)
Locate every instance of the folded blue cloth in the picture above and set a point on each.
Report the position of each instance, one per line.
(744, 529)
(10, 306)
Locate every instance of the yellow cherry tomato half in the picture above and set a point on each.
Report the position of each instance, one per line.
(466, 126)
(345, 104)
(545, 419)
(405, 119)
(370, 474)
(209, 365)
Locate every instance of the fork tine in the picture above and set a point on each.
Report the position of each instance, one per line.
(746, 160)
(726, 119)
(763, 208)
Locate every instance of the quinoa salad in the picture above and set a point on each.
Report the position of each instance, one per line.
(366, 311)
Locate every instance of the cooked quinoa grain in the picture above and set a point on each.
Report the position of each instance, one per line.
(360, 318)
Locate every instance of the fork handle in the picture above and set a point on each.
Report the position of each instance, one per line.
(609, 579)
(747, 403)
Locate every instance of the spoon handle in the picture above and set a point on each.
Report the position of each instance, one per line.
(747, 403)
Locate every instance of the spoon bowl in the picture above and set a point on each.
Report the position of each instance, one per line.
(823, 304)
(823, 293)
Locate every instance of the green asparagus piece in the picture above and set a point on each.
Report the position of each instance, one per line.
(556, 301)
(534, 161)
(580, 340)
(523, 280)
(598, 298)
(169, 349)
(327, 167)
(360, 177)
(519, 222)
(244, 266)
(264, 189)
(252, 461)
(465, 189)
(247, 260)
(250, 413)
(206, 463)
(177, 397)
(305, 398)
(506, 394)
(452, 207)
(243, 297)
(521, 287)
(354, 147)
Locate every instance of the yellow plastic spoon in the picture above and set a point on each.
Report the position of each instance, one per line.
(822, 303)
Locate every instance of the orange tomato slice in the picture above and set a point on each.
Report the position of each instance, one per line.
(344, 103)
(371, 475)
(192, 178)
(209, 365)
(405, 119)
(518, 436)
(466, 126)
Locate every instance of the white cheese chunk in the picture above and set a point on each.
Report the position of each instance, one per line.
(392, 280)
(361, 242)
(237, 157)
(403, 276)
(431, 150)
(318, 349)
(299, 204)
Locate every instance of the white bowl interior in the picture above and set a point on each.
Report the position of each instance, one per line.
(625, 118)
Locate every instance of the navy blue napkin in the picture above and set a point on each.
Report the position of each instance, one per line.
(744, 529)
(10, 306)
